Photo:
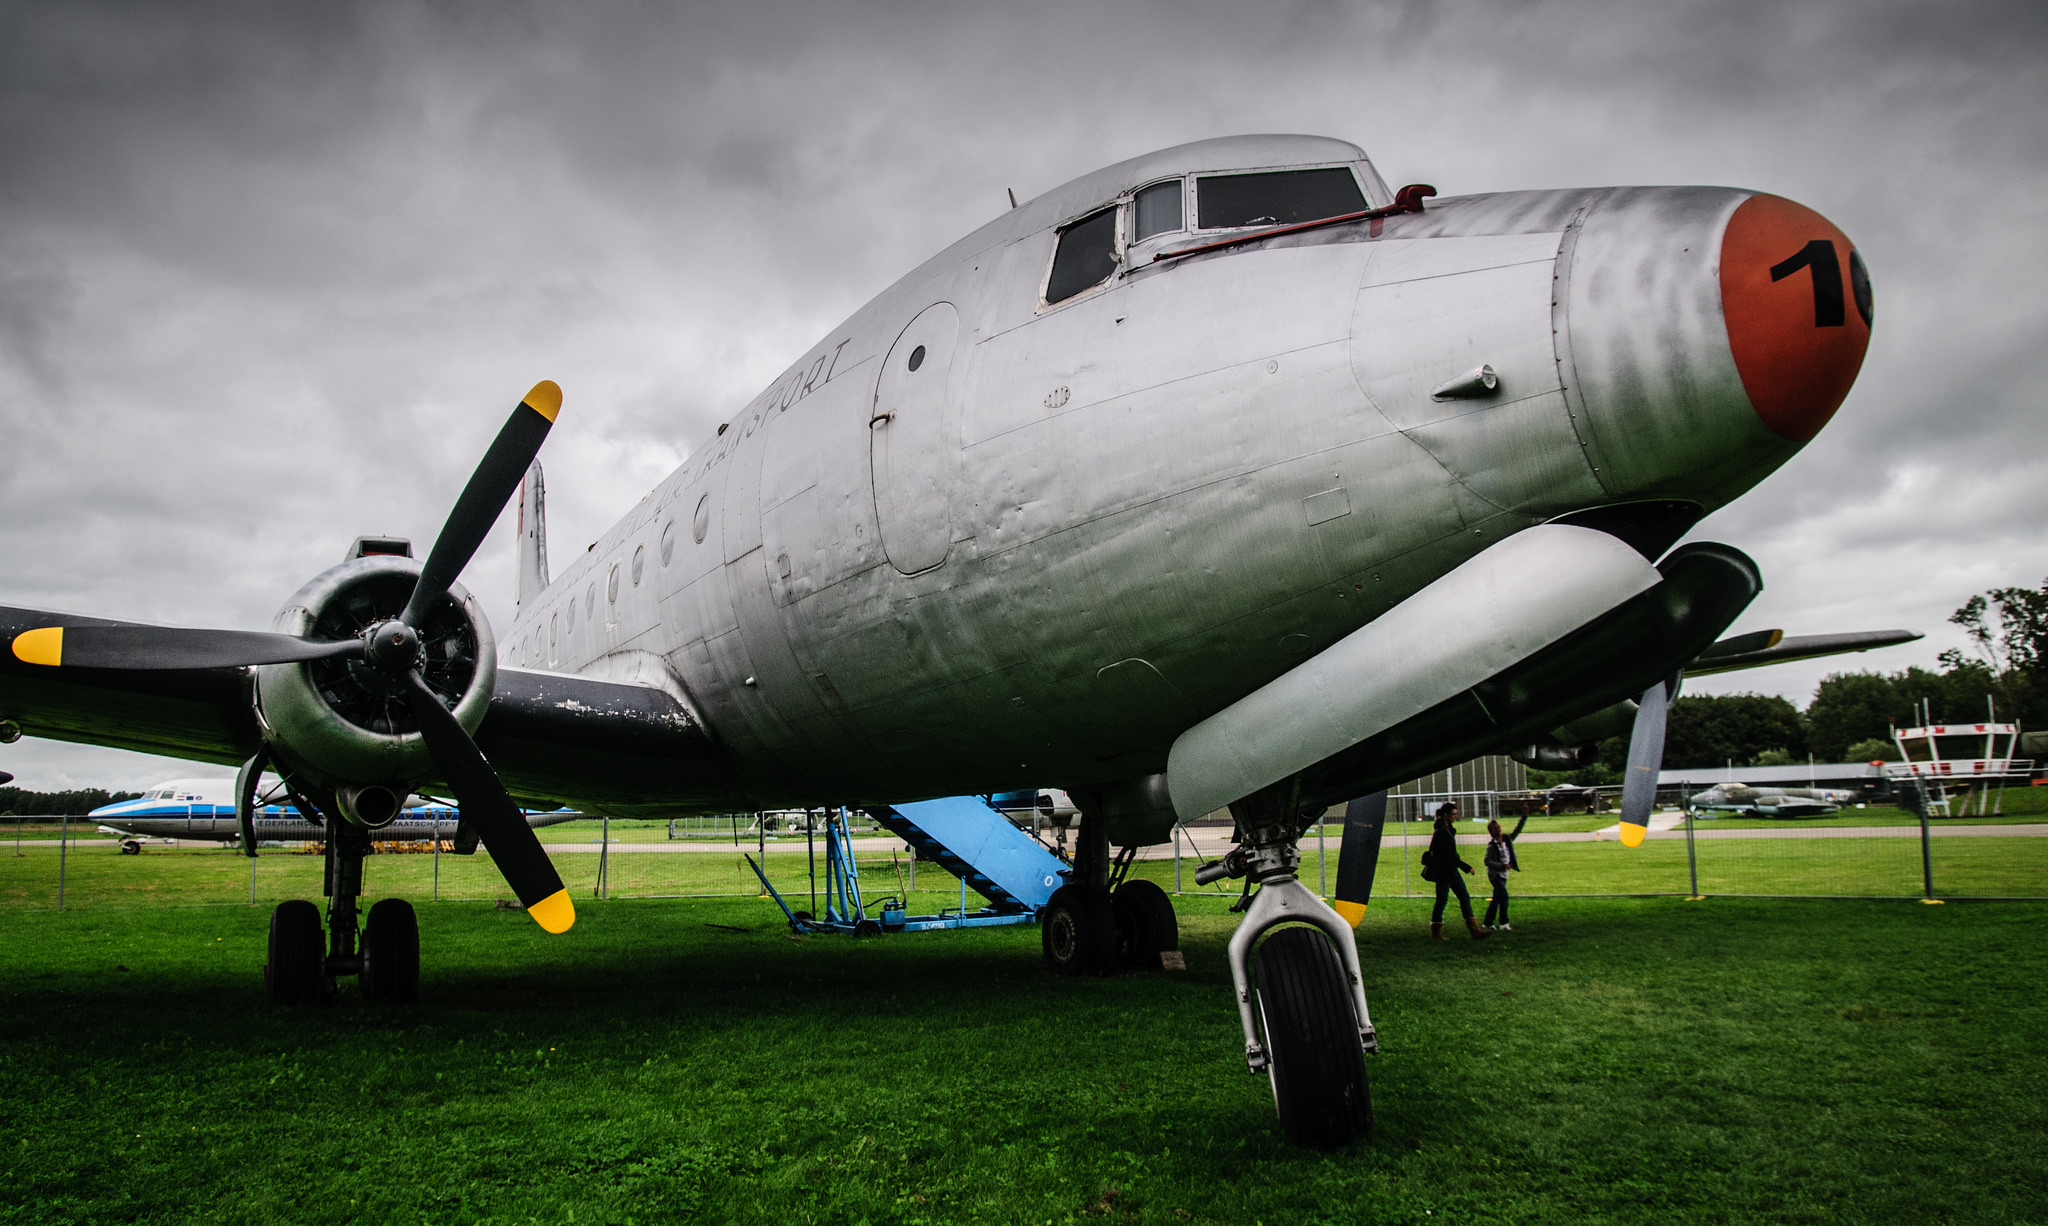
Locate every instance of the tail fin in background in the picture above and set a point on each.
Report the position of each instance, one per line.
(533, 535)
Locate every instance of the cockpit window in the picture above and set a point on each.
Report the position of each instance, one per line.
(1276, 198)
(1158, 210)
(1085, 257)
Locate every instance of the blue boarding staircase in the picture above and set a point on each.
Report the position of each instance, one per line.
(979, 845)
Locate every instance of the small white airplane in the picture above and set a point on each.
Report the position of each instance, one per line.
(1770, 801)
(1220, 477)
(205, 809)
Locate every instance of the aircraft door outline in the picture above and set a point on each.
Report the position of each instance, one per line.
(910, 451)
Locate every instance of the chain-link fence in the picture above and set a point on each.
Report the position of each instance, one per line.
(1990, 849)
(1993, 848)
(50, 863)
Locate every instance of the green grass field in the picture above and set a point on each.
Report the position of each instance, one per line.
(1612, 1060)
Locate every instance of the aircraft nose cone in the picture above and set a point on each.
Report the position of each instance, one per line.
(1796, 300)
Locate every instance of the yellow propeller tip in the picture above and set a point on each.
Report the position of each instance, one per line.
(545, 398)
(1632, 836)
(555, 913)
(44, 646)
(1351, 911)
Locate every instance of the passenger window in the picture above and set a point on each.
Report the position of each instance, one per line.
(1085, 258)
(1276, 198)
(1158, 210)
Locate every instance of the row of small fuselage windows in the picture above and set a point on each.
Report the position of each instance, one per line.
(1091, 247)
(544, 643)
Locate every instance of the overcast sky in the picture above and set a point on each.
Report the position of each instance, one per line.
(272, 275)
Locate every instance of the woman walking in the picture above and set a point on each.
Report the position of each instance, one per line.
(1500, 861)
(1442, 865)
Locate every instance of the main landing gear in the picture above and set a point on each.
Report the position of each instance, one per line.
(1103, 920)
(385, 955)
(1306, 1027)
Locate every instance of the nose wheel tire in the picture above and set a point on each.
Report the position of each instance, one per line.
(1078, 932)
(391, 953)
(296, 973)
(1311, 1040)
(1145, 924)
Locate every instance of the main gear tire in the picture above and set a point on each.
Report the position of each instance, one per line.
(296, 972)
(1146, 926)
(1311, 1038)
(391, 953)
(1078, 932)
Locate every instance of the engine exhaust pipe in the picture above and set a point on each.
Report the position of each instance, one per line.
(371, 805)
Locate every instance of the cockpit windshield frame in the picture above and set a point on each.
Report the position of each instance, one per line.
(1195, 203)
(1125, 205)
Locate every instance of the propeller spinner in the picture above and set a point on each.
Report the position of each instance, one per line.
(390, 651)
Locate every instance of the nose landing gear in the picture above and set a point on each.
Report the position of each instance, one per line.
(1307, 1026)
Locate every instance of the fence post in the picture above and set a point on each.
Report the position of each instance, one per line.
(437, 855)
(63, 835)
(1176, 856)
(1692, 860)
(1322, 860)
(1926, 856)
(1407, 890)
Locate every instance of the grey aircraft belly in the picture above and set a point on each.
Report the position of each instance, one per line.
(1221, 477)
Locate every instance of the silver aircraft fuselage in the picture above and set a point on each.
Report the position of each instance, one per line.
(974, 541)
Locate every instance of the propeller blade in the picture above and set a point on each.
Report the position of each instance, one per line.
(161, 647)
(1358, 856)
(497, 475)
(1645, 759)
(487, 809)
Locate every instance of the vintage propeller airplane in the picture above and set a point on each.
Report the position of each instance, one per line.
(1223, 476)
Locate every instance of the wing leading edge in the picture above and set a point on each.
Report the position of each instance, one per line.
(605, 746)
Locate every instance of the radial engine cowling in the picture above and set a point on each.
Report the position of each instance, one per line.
(342, 723)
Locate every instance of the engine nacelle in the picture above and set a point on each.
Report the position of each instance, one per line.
(342, 724)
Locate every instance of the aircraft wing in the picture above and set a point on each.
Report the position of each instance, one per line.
(1773, 647)
(600, 746)
(603, 746)
(204, 715)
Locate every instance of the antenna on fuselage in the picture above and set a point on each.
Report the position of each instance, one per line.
(1013, 196)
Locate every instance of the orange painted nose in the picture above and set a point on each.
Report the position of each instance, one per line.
(1796, 299)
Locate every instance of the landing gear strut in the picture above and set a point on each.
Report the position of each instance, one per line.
(1100, 922)
(1307, 1026)
(384, 953)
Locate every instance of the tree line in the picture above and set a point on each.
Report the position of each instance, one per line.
(20, 800)
(1851, 716)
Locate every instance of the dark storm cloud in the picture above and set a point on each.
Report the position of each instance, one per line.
(270, 274)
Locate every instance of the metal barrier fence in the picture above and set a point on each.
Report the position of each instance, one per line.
(1875, 852)
(70, 866)
(1868, 852)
